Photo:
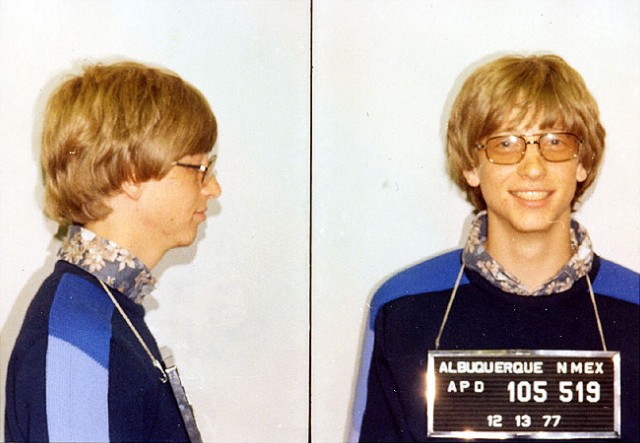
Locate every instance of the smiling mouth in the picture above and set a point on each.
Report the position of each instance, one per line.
(531, 195)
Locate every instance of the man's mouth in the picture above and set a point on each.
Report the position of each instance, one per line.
(531, 195)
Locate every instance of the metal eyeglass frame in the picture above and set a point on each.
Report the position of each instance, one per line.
(202, 168)
(526, 143)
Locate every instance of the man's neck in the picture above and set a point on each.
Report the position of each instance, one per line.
(121, 227)
(126, 238)
(533, 257)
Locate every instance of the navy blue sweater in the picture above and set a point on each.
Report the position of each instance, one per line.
(78, 373)
(407, 311)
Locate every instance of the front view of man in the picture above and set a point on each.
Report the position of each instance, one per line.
(524, 142)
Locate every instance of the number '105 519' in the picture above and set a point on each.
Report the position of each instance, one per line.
(525, 391)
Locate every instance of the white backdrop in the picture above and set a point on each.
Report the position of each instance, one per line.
(235, 307)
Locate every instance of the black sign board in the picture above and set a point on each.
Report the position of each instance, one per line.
(523, 393)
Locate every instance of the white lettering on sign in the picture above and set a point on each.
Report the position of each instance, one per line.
(589, 367)
(491, 367)
(478, 386)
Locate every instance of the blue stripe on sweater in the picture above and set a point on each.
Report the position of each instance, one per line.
(436, 274)
(77, 376)
(616, 281)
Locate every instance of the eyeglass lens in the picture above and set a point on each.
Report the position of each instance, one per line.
(210, 168)
(510, 149)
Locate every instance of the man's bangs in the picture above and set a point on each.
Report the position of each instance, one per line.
(197, 127)
(197, 138)
(546, 111)
(554, 118)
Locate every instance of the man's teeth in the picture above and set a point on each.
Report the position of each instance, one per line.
(532, 195)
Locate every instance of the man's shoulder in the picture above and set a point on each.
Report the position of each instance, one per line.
(67, 272)
(435, 274)
(70, 308)
(616, 281)
(58, 283)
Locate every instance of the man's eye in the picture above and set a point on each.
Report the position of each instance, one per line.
(506, 144)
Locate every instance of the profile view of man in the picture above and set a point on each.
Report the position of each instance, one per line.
(524, 142)
(125, 152)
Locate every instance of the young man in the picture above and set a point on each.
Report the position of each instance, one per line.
(524, 142)
(125, 153)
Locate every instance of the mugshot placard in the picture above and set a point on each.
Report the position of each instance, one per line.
(517, 393)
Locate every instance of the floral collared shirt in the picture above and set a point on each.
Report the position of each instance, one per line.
(476, 257)
(114, 265)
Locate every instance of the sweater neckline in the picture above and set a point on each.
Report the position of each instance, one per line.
(579, 288)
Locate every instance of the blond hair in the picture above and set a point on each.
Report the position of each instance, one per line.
(116, 123)
(541, 89)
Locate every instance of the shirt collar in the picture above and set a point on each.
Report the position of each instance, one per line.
(105, 260)
(476, 257)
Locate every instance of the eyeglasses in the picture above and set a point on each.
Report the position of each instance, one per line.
(207, 171)
(510, 149)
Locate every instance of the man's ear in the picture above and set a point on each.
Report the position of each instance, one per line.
(581, 173)
(472, 177)
(132, 189)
